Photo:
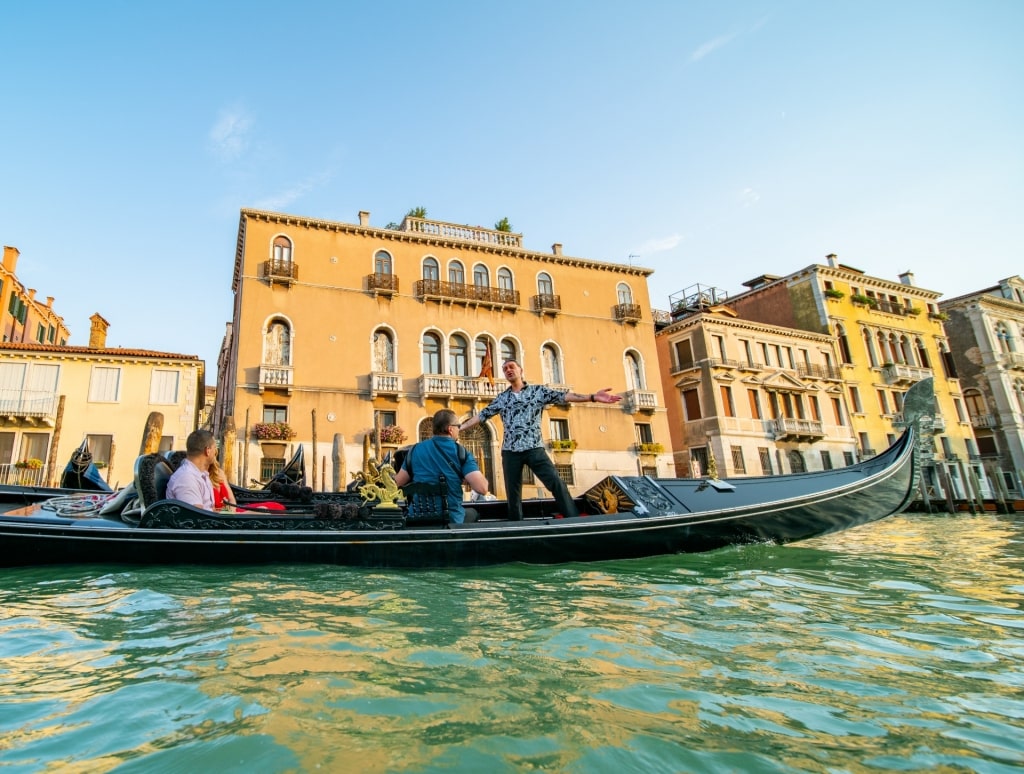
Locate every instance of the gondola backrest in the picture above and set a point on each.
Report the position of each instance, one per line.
(427, 503)
(152, 472)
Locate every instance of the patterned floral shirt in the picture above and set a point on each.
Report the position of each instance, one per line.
(521, 413)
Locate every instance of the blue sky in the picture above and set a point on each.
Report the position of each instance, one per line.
(712, 141)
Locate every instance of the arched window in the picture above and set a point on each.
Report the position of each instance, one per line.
(545, 286)
(1018, 387)
(456, 273)
(431, 353)
(425, 429)
(869, 346)
(277, 343)
(382, 262)
(383, 351)
(552, 365)
(625, 293)
(483, 360)
(505, 279)
(431, 270)
(796, 461)
(458, 355)
(481, 277)
(922, 354)
(282, 252)
(975, 403)
(844, 345)
(508, 351)
(904, 351)
(634, 372)
(1004, 338)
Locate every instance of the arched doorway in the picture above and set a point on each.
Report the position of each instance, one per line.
(478, 441)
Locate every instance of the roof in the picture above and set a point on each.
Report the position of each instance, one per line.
(25, 346)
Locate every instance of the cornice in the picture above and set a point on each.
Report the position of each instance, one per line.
(10, 350)
(707, 320)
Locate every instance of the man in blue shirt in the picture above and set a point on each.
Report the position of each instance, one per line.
(442, 455)
(520, 407)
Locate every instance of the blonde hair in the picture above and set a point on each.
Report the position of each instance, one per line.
(216, 473)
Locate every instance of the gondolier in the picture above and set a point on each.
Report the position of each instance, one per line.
(520, 408)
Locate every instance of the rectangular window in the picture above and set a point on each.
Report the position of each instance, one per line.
(837, 410)
(40, 333)
(643, 433)
(381, 418)
(764, 353)
(104, 384)
(33, 446)
(755, 403)
(737, 460)
(166, 443)
(855, 400)
(275, 413)
(684, 354)
(865, 444)
(719, 346)
(959, 410)
(566, 473)
(163, 387)
(7, 448)
(847, 458)
(815, 408)
(12, 305)
(559, 429)
(51, 334)
(883, 403)
(766, 460)
(99, 447)
(728, 408)
(826, 460)
(691, 405)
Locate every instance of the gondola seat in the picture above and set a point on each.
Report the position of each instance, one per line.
(152, 472)
(427, 503)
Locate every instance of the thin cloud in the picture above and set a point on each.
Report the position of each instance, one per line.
(279, 201)
(748, 197)
(229, 137)
(712, 45)
(658, 245)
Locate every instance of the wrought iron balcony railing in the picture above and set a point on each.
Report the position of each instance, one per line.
(627, 313)
(382, 284)
(815, 371)
(546, 303)
(438, 290)
(280, 271)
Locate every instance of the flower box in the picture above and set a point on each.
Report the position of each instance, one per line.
(272, 431)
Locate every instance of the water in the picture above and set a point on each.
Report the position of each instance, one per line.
(898, 646)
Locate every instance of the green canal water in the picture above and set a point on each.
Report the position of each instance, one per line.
(898, 646)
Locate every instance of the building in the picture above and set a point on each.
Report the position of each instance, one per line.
(52, 397)
(760, 399)
(341, 328)
(986, 337)
(889, 335)
(25, 319)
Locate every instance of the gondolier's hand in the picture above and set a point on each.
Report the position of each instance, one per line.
(606, 396)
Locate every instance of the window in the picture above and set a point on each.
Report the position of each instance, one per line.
(282, 250)
(509, 351)
(728, 409)
(634, 372)
(844, 344)
(382, 262)
(855, 400)
(796, 461)
(815, 408)
(755, 403)
(99, 447)
(163, 387)
(837, 410)
(552, 365)
(826, 460)
(458, 353)
(40, 333)
(51, 334)
(505, 279)
(764, 353)
(883, 403)
(104, 384)
(869, 345)
(7, 448)
(718, 344)
(275, 414)
(738, 464)
(33, 446)
(922, 354)
(431, 353)
(559, 429)
(385, 418)
(959, 406)
(865, 444)
(691, 405)
(431, 271)
(746, 351)
(684, 354)
(481, 277)
(383, 352)
(566, 473)
(766, 461)
(482, 359)
(624, 293)
(848, 458)
(545, 287)
(456, 273)
(643, 433)
(277, 343)
(166, 443)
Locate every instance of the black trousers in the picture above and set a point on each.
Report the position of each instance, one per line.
(537, 460)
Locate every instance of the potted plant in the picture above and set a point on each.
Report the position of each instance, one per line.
(859, 298)
(940, 316)
(651, 448)
(392, 435)
(272, 437)
(833, 293)
(30, 464)
(563, 448)
(913, 310)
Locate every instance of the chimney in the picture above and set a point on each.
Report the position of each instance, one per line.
(831, 258)
(98, 332)
(49, 302)
(11, 258)
(907, 278)
(364, 218)
(556, 248)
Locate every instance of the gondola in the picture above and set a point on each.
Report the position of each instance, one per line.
(621, 517)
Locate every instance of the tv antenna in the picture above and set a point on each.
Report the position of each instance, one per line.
(630, 258)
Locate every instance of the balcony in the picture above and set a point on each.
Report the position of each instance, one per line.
(627, 313)
(458, 292)
(899, 422)
(441, 230)
(12, 475)
(897, 373)
(29, 407)
(984, 422)
(787, 429)
(639, 400)
(382, 284)
(285, 272)
(815, 371)
(445, 386)
(1012, 360)
(383, 383)
(721, 362)
(546, 303)
(275, 377)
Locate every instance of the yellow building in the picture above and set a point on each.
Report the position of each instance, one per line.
(889, 335)
(52, 397)
(338, 327)
(24, 318)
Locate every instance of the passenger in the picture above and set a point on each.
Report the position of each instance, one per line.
(222, 494)
(190, 483)
(443, 455)
(520, 408)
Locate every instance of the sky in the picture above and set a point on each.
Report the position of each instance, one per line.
(710, 142)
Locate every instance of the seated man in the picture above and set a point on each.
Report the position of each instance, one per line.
(191, 481)
(443, 456)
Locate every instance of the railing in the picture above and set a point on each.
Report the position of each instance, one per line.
(661, 316)
(985, 421)
(799, 428)
(938, 422)
(546, 302)
(815, 371)
(639, 400)
(689, 365)
(383, 382)
(15, 476)
(275, 269)
(437, 228)
(458, 386)
(275, 376)
(28, 403)
(627, 312)
(721, 362)
(382, 283)
(458, 291)
(1014, 360)
(867, 453)
(896, 373)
